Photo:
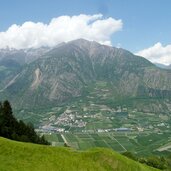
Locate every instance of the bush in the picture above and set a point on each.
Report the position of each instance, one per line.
(130, 155)
(157, 162)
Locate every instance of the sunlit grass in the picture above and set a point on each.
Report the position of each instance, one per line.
(17, 156)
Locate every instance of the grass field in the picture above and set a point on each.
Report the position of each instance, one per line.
(17, 156)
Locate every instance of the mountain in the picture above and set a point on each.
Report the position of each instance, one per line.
(12, 61)
(60, 74)
(163, 66)
(18, 156)
(22, 56)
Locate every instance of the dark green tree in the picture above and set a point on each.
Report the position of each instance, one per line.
(17, 130)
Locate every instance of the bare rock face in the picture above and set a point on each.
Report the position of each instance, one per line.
(37, 79)
(51, 76)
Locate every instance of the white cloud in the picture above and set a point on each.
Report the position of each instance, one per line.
(60, 29)
(157, 53)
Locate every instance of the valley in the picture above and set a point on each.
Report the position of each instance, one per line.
(85, 85)
(98, 120)
(86, 95)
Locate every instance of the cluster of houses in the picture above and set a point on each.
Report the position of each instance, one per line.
(72, 119)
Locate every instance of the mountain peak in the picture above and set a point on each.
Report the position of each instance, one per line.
(80, 40)
(84, 42)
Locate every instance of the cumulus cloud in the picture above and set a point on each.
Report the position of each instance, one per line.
(60, 29)
(157, 53)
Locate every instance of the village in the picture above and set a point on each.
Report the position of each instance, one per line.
(120, 120)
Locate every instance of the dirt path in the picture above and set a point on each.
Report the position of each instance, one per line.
(118, 142)
(65, 141)
(10, 83)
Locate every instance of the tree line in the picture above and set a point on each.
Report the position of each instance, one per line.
(159, 162)
(13, 129)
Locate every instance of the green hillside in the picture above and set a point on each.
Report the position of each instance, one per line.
(30, 157)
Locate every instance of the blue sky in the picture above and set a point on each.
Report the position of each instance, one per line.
(145, 22)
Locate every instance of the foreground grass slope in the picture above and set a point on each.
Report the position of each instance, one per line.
(17, 156)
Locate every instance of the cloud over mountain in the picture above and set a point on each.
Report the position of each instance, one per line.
(60, 29)
(157, 53)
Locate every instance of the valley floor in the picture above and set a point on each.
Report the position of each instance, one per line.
(98, 119)
(144, 144)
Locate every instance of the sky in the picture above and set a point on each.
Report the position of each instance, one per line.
(140, 26)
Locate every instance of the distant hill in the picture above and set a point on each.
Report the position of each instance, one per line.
(163, 66)
(17, 156)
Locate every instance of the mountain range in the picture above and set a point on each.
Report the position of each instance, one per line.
(36, 78)
(163, 66)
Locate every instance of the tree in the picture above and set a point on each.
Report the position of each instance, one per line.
(1, 118)
(157, 162)
(8, 122)
(17, 130)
